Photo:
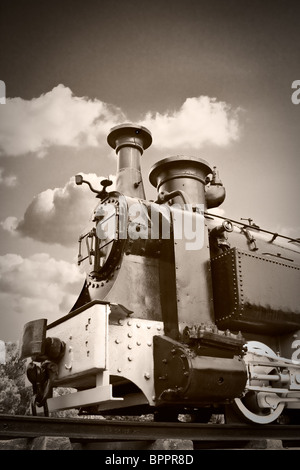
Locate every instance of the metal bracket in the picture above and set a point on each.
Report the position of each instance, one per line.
(93, 396)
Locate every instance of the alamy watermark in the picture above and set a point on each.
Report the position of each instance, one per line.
(296, 94)
(140, 221)
(2, 352)
(296, 354)
(2, 92)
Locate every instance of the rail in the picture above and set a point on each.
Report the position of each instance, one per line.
(97, 430)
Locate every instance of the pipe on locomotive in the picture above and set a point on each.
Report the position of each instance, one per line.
(181, 173)
(186, 176)
(129, 142)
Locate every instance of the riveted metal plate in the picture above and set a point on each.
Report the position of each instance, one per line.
(131, 352)
(193, 282)
(253, 292)
(85, 336)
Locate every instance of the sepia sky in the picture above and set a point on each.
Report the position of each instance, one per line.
(210, 78)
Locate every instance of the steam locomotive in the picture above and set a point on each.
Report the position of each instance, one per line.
(181, 311)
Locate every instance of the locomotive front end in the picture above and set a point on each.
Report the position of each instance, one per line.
(177, 312)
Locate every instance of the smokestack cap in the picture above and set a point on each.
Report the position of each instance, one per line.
(179, 166)
(130, 135)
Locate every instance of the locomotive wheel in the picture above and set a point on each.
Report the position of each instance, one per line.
(248, 408)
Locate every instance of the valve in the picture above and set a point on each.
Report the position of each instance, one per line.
(218, 235)
(221, 229)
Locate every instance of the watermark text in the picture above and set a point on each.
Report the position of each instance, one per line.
(139, 221)
(296, 94)
(2, 92)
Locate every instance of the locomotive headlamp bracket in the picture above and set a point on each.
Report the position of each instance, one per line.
(100, 194)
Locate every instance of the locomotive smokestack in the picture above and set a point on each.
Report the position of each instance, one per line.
(129, 141)
(183, 174)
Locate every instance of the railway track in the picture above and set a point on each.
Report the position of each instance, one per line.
(96, 431)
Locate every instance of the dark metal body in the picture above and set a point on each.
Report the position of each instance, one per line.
(256, 293)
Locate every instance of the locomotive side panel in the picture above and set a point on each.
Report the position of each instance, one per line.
(255, 294)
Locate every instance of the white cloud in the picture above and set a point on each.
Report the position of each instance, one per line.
(200, 120)
(10, 224)
(10, 181)
(54, 118)
(58, 215)
(35, 287)
(60, 118)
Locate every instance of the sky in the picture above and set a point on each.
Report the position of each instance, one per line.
(208, 78)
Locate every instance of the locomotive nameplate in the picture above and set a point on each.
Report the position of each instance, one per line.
(85, 336)
(255, 293)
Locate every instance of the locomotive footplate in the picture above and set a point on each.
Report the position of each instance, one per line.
(181, 376)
